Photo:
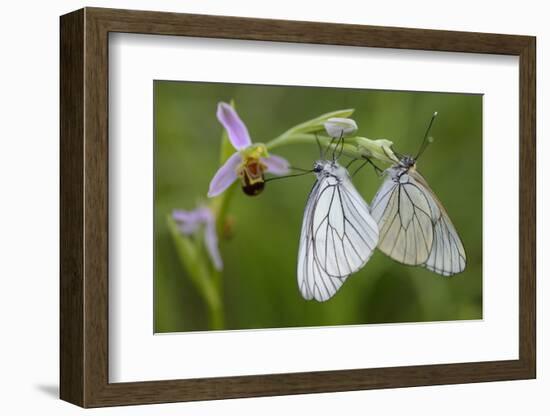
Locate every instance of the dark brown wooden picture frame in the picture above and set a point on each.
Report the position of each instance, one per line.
(84, 207)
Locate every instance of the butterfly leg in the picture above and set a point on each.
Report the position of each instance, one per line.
(379, 172)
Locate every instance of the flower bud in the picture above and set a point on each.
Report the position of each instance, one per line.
(340, 127)
(380, 149)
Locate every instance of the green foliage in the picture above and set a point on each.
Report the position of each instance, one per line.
(259, 235)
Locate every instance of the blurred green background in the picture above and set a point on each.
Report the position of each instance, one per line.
(259, 277)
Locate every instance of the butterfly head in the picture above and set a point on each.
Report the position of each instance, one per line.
(327, 168)
(318, 166)
(405, 165)
(407, 162)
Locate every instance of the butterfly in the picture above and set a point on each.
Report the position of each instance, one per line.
(415, 229)
(338, 233)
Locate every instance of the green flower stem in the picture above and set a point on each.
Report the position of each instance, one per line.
(214, 277)
(354, 147)
(311, 126)
(220, 207)
(193, 258)
(349, 149)
(217, 315)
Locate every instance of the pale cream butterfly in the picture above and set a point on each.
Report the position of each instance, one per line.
(415, 228)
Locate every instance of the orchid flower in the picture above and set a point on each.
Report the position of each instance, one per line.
(249, 162)
(190, 222)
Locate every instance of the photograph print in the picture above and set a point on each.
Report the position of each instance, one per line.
(293, 206)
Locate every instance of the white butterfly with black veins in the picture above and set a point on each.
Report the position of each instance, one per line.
(338, 233)
(414, 227)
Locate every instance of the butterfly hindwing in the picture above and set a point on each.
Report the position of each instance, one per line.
(447, 256)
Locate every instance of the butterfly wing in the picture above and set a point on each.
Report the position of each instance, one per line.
(338, 237)
(447, 256)
(401, 207)
(313, 281)
(414, 227)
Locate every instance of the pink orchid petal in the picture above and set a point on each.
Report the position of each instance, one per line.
(188, 217)
(189, 222)
(211, 240)
(236, 129)
(188, 229)
(276, 165)
(225, 175)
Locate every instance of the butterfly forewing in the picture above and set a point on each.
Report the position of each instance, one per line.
(338, 237)
(402, 211)
(313, 281)
(414, 227)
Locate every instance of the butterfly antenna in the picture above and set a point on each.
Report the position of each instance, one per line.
(340, 139)
(341, 148)
(321, 153)
(361, 166)
(300, 169)
(323, 156)
(427, 140)
(351, 162)
(369, 161)
(288, 176)
(395, 152)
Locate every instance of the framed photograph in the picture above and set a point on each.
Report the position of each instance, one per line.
(260, 207)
